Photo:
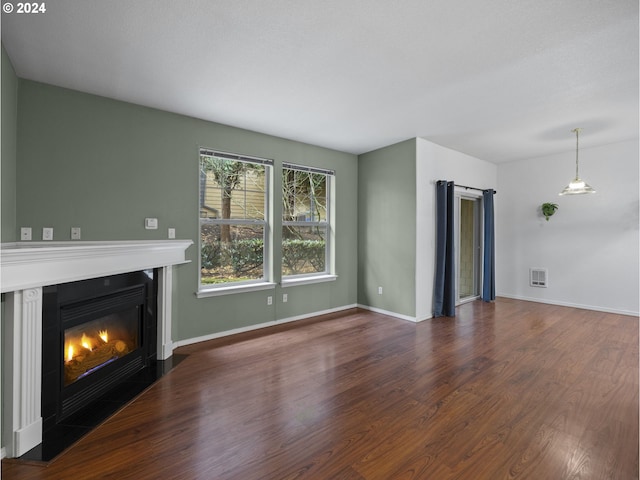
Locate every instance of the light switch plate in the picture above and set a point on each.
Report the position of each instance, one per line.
(151, 223)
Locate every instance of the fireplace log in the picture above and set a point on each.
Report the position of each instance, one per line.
(93, 358)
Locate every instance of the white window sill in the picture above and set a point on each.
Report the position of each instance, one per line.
(230, 289)
(293, 282)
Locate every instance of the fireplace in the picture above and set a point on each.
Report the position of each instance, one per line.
(97, 333)
(27, 269)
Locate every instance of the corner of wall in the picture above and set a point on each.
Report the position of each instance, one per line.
(386, 228)
(8, 166)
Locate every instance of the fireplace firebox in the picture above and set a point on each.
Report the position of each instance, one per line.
(97, 333)
(97, 343)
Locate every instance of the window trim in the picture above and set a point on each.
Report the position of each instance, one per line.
(235, 287)
(307, 279)
(306, 168)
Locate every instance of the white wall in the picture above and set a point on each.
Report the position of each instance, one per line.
(434, 163)
(590, 245)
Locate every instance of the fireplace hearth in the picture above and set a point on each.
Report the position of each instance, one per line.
(72, 428)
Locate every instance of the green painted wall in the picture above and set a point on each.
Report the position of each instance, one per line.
(387, 228)
(8, 167)
(105, 165)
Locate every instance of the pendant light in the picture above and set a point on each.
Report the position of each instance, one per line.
(577, 186)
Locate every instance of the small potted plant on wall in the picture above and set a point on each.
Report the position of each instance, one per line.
(548, 209)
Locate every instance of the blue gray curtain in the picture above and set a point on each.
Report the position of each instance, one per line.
(444, 300)
(488, 261)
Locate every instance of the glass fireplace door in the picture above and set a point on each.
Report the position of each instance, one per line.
(92, 345)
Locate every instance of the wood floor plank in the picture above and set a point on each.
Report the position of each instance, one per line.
(507, 390)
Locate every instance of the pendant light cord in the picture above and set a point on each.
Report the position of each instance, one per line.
(577, 130)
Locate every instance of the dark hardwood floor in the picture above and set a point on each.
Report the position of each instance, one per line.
(509, 390)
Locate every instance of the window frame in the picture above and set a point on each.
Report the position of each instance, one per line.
(266, 282)
(329, 224)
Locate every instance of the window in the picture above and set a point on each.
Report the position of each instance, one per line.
(306, 222)
(234, 206)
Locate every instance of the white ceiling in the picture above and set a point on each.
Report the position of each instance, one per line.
(497, 79)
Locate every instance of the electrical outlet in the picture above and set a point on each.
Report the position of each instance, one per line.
(285, 297)
(171, 233)
(75, 233)
(25, 233)
(379, 290)
(47, 233)
(269, 300)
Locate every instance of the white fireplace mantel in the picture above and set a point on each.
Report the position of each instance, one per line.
(36, 264)
(27, 267)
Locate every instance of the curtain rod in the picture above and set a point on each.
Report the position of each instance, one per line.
(474, 188)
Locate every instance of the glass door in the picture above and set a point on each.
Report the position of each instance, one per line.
(469, 243)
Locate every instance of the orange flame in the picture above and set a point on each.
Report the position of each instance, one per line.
(103, 335)
(86, 342)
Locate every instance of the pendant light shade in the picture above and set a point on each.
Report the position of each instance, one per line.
(577, 186)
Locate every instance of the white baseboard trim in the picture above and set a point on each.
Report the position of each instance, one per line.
(570, 304)
(3, 453)
(422, 319)
(226, 333)
(394, 314)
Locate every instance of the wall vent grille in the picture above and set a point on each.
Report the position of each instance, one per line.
(538, 277)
